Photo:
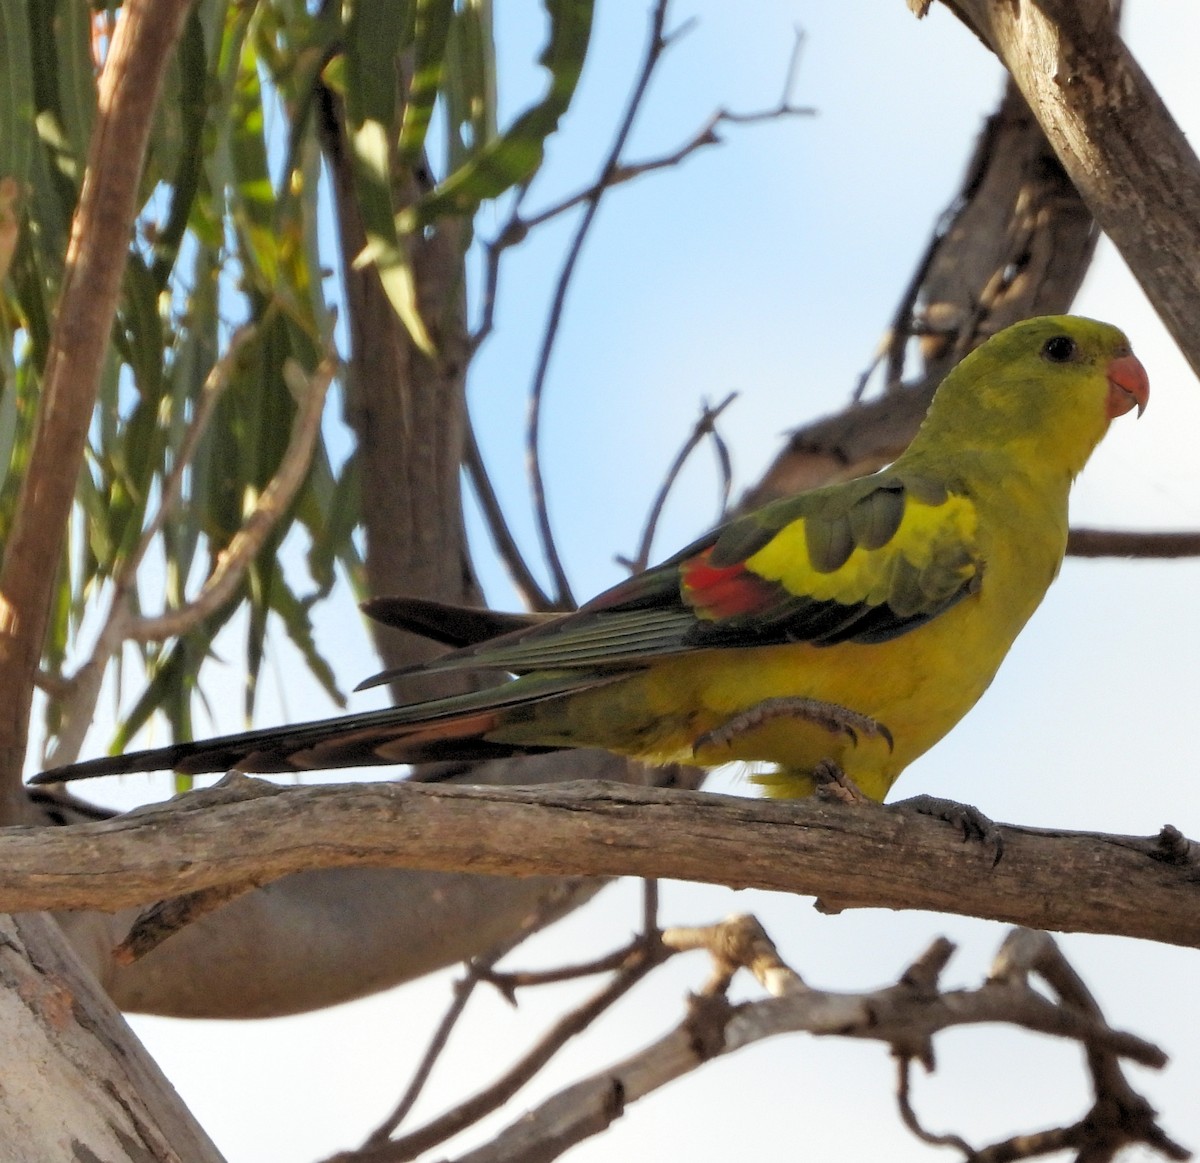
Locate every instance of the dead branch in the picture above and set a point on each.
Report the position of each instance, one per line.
(848, 856)
(656, 45)
(904, 1016)
(613, 172)
(1131, 543)
(618, 173)
(527, 586)
(509, 981)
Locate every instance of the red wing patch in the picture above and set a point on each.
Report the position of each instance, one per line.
(725, 591)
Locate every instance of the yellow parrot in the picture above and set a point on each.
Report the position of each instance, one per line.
(855, 623)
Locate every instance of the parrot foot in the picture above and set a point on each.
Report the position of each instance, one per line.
(835, 786)
(832, 716)
(970, 821)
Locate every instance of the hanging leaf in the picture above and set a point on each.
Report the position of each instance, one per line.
(433, 20)
(375, 34)
(514, 157)
(16, 95)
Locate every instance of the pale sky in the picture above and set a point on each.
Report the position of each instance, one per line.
(770, 266)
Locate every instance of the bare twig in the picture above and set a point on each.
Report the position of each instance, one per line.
(613, 172)
(211, 392)
(904, 1016)
(463, 988)
(482, 969)
(492, 1097)
(705, 426)
(479, 969)
(655, 46)
(903, 326)
(649, 908)
(509, 983)
(1131, 543)
(527, 586)
(624, 172)
(515, 230)
(909, 1116)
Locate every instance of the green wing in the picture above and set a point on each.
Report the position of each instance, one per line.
(862, 561)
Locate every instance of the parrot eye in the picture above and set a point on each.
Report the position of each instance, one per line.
(1059, 349)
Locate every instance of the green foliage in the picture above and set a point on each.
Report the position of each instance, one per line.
(227, 233)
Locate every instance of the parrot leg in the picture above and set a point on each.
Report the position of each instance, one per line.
(832, 716)
(970, 821)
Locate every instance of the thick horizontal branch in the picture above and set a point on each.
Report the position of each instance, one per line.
(247, 830)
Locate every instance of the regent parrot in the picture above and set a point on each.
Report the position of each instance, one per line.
(857, 622)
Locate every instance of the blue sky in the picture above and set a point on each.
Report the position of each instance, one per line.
(770, 266)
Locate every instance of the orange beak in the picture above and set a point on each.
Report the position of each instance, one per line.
(1128, 385)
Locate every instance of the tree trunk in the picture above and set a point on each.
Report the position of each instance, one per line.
(77, 1083)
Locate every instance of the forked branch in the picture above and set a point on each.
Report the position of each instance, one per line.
(905, 1016)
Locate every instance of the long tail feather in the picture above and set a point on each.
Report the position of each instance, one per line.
(453, 728)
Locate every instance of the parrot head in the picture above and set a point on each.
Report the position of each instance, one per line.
(1045, 390)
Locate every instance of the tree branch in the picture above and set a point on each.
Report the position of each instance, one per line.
(141, 50)
(904, 1016)
(656, 45)
(1132, 543)
(1015, 241)
(272, 503)
(705, 426)
(526, 585)
(479, 969)
(850, 857)
(1116, 139)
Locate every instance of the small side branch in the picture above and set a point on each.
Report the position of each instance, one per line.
(1132, 543)
(705, 426)
(272, 504)
(79, 693)
(526, 585)
(656, 45)
(647, 956)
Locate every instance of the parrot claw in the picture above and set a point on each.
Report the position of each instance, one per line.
(832, 716)
(970, 821)
(835, 786)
